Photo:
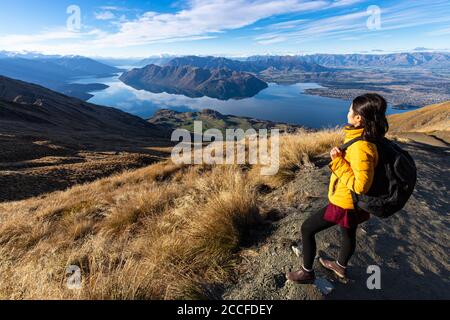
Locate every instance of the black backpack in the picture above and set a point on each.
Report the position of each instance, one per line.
(394, 180)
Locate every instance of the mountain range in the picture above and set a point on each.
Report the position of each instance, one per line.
(194, 81)
(28, 108)
(342, 75)
(407, 59)
(277, 62)
(308, 63)
(55, 72)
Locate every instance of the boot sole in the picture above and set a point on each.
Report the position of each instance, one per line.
(340, 275)
(303, 282)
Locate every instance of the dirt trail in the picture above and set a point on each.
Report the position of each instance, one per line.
(411, 248)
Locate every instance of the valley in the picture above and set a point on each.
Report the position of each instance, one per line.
(407, 80)
(400, 86)
(235, 228)
(51, 142)
(56, 72)
(172, 150)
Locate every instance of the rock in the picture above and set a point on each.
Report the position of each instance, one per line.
(324, 286)
(296, 251)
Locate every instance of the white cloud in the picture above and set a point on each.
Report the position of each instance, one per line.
(271, 40)
(350, 25)
(111, 8)
(116, 8)
(47, 36)
(325, 27)
(58, 41)
(342, 3)
(287, 24)
(105, 15)
(439, 32)
(204, 18)
(207, 19)
(199, 20)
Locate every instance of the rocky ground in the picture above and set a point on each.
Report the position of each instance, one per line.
(411, 247)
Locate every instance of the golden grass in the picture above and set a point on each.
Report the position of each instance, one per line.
(298, 150)
(428, 119)
(162, 232)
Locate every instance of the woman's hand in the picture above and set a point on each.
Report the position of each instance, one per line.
(336, 153)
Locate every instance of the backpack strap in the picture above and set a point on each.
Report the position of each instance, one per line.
(349, 143)
(343, 148)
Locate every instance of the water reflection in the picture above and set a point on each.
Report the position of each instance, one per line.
(284, 103)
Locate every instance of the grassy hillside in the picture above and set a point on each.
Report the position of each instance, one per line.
(214, 119)
(428, 119)
(49, 141)
(161, 232)
(165, 231)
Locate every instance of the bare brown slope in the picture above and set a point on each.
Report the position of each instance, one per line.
(49, 141)
(30, 106)
(430, 124)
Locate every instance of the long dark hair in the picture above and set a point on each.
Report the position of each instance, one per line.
(372, 109)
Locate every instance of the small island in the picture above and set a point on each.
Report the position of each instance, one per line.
(194, 82)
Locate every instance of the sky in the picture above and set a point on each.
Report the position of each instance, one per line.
(222, 27)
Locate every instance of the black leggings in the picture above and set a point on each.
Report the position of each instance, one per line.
(314, 224)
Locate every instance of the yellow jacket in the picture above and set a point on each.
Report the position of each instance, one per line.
(354, 172)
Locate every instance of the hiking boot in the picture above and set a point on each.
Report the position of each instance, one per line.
(338, 270)
(301, 276)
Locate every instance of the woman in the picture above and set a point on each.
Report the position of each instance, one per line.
(352, 170)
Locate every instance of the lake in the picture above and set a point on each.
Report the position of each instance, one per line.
(281, 103)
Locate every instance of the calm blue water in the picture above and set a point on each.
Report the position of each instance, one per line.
(283, 103)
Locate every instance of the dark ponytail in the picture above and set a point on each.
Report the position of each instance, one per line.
(372, 109)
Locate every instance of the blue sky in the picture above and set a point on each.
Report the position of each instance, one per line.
(223, 27)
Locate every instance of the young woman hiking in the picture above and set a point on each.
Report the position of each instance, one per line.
(352, 170)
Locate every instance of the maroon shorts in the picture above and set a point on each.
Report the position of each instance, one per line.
(346, 218)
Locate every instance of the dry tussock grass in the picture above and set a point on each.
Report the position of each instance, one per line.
(162, 232)
(428, 119)
(298, 150)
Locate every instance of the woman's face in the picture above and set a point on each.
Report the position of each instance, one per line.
(352, 118)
